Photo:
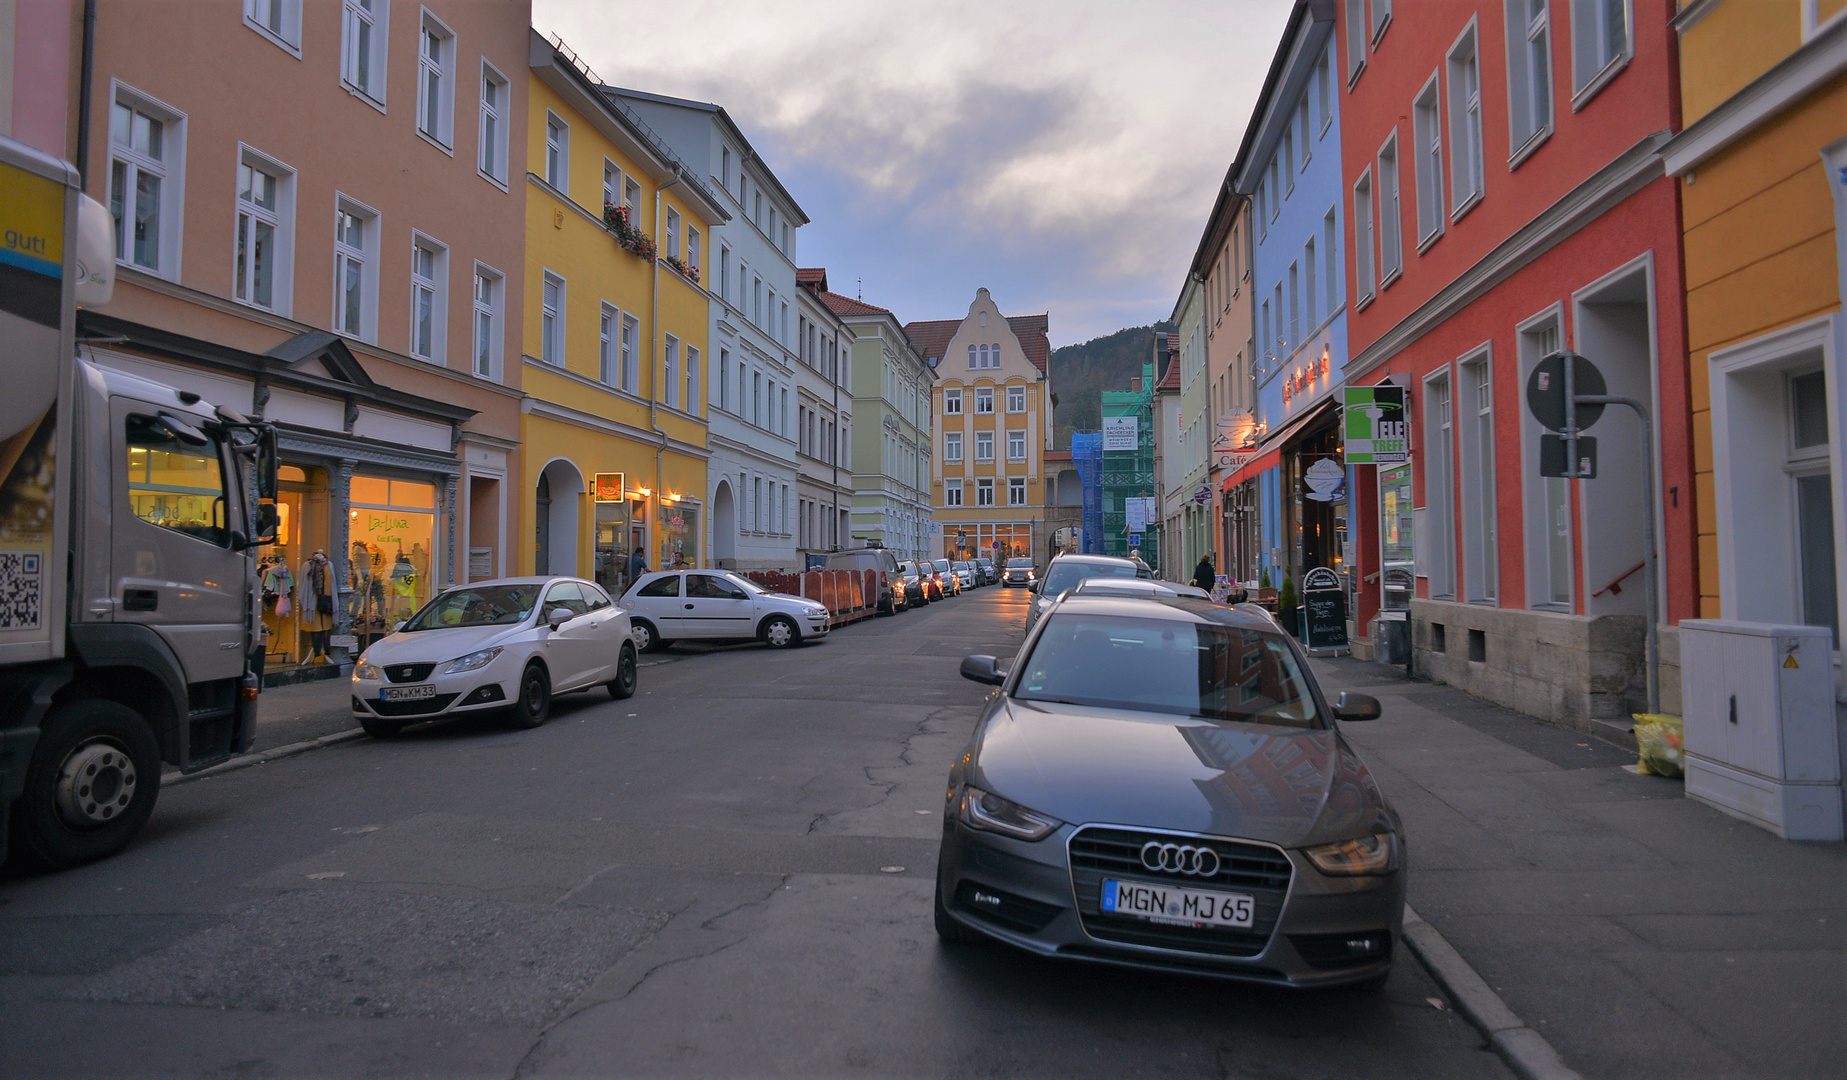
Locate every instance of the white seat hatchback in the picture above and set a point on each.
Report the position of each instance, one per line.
(675, 605)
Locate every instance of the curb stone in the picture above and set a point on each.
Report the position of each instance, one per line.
(169, 779)
(1524, 1049)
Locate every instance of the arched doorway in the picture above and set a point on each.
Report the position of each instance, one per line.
(724, 527)
(560, 496)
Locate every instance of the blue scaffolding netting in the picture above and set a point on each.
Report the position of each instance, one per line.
(1087, 455)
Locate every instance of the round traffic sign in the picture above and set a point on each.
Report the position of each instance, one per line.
(1545, 390)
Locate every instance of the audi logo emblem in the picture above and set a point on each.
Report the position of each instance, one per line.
(1180, 859)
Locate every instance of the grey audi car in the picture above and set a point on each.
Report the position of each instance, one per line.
(1158, 783)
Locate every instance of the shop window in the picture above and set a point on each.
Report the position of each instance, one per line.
(1395, 537)
(391, 526)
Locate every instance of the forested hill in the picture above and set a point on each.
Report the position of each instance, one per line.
(1080, 374)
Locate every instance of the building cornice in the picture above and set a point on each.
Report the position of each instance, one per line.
(564, 414)
(1631, 171)
(1801, 73)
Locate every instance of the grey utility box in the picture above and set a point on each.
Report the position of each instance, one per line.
(1762, 741)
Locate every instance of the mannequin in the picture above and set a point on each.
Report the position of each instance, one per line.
(316, 608)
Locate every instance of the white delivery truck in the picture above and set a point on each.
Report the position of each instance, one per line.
(130, 514)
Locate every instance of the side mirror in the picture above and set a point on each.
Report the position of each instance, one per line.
(269, 520)
(982, 669)
(1353, 706)
(1032, 586)
(558, 616)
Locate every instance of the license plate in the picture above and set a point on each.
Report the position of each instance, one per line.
(406, 693)
(1176, 906)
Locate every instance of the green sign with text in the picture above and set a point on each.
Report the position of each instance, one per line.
(1376, 426)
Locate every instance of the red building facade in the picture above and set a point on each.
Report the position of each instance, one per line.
(1506, 200)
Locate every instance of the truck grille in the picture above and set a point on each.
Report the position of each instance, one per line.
(1256, 869)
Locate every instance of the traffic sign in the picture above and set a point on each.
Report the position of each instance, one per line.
(1555, 456)
(1545, 391)
(1135, 540)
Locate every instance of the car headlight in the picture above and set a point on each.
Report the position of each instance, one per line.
(364, 670)
(1375, 854)
(989, 812)
(474, 661)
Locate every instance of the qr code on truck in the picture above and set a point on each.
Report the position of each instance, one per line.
(22, 590)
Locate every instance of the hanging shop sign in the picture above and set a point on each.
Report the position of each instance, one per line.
(1121, 433)
(1326, 480)
(1377, 428)
(607, 487)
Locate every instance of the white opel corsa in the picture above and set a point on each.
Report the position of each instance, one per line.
(670, 605)
(508, 644)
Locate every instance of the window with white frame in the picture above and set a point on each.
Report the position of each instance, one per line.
(984, 446)
(952, 446)
(984, 399)
(146, 170)
(557, 152)
(1427, 149)
(487, 313)
(492, 161)
(952, 493)
(692, 247)
(1363, 237)
(631, 354)
(723, 381)
(278, 20)
(1016, 491)
(1276, 194)
(1302, 137)
(1810, 471)
(1016, 444)
(608, 330)
(1016, 399)
(1439, 487)
(1467, 180)
(1475, 416)
(1529, 72)
(724, 168)
(671, 237)
(691, 397)
(670, 372)
(1330, 249)
(1324, 84)
(355, 262)
(1310, 294)
(631, 199)
(1288, 161)
(265, 219)
(782, 413)
(756, 398)
(1391, 222)
(1356, 39)
(1381, 17)
(984, 492)
(1295, 306)
(1548, 511)
(551, 319)
(1599, 40)
(435, 79)
(365, 29)
(612, 184)
(429, 290)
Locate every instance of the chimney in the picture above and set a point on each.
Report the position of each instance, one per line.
(1135, 385)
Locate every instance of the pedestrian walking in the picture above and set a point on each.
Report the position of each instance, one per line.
(637, 565)
(1204, 576)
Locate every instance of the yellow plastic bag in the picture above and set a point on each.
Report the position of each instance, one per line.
(1660, 739)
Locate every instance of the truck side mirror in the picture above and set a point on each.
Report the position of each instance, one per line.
(266, 466)
(269, 521)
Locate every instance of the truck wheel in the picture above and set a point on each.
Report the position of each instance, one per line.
(91, 786)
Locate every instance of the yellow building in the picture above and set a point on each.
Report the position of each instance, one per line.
(992, 412)
(614, 424)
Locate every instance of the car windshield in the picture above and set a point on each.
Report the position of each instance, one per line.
(477, 605)
(941, 564)
(1066, 574)
(1172, 666)
(747, 585)
(1023, 564)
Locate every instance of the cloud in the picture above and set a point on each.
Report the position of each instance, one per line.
(1080, 138)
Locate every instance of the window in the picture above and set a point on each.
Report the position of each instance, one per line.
(147, 153)
(1016, 491)
(1324, 83)
(277, 20)
(952, 493)
(1309, 293)
(724, 379)
(1302, 138)
(785, 240)
(984, 446)
(984, 399)
(631, 354)
(487, 322)
(631, 198)
(756, 300)
(551, 319)
(557, 153)
(724, 168)
(435, 76)
(671, 245)
(1295, 306)
(782, 413)
(1362, 237)
(1427, 137)
(952, 446)
(612, 184)
(1330, 275)
(365, 28)
(1549, 539)
(1016, 444)
(1599, 42)
(692, 380)
(173, 484)
(493, 134)
(608, 359)
(756, 398)
(1809, 470)
(1356, 39)
(265, 213)
(1016, 399)
(1466, 182)
(1381, 17)
(355, 270)
(1391, 224)
(1439, 487)
(1288, 161)
(1276, 201)
(692, 247)
(670, 368)
(1529, 73)
(724, 273)
(984, 493)
(1476, 417)
(429, 289)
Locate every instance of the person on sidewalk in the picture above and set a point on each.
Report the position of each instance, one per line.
(1204, 577)
(637, 565)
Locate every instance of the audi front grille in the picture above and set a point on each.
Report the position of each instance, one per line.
(1099, 852)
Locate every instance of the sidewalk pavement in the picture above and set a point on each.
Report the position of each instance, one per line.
(1642, 933)
(303, 711)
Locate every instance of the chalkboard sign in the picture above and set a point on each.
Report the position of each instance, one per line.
(1324, 606)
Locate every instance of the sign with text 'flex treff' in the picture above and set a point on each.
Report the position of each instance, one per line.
(1376, 426)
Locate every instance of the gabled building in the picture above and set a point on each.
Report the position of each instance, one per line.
(1168, 537)
(823, 419)
(992, 408)
(891, 455)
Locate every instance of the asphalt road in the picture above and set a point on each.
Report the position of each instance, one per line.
(728, 875)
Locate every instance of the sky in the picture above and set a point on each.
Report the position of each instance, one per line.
(1062, 153)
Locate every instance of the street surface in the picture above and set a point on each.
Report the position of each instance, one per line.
(728, 875)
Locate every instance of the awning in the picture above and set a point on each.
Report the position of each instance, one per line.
(1270, 450)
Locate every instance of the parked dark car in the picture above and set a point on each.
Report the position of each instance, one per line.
(986, 569)
(881, 559)
(916, 589)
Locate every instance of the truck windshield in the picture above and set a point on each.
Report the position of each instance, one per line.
(482, 605)
(173, 483)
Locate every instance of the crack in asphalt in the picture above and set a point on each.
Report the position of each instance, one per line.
(920, 729)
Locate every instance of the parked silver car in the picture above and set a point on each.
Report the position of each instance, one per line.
(1066, 571)
(1159, 783)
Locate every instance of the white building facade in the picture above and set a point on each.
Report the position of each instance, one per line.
(751, 479)
(823, 420)
(892, 465)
